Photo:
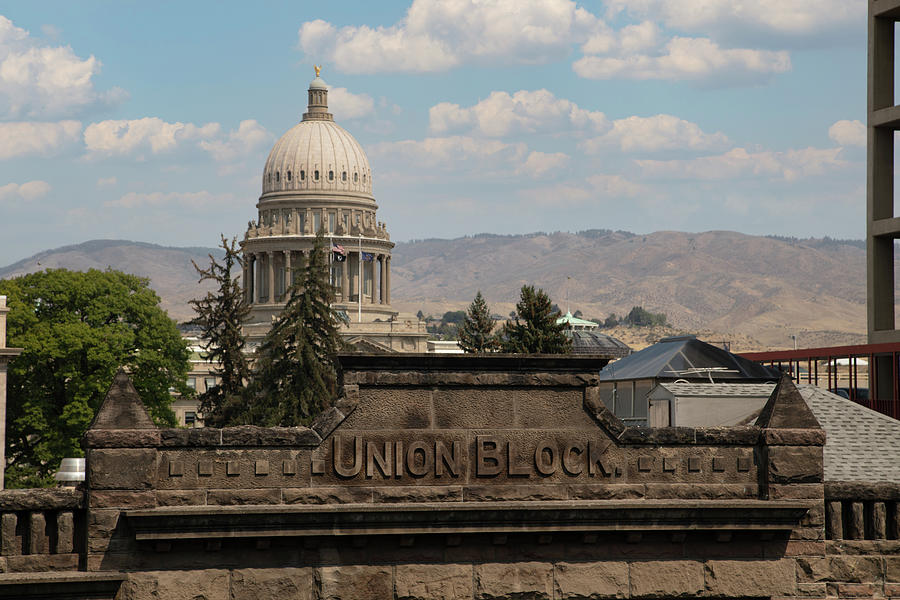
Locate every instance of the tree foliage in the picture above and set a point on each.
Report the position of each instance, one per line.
(476, 330)
(640, 317)
(537, 331)
(295, 376)
(77, 329)
(220, 316)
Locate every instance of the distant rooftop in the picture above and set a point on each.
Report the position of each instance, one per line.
(687, 358)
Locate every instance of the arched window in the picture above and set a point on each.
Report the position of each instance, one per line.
(364, 177)
(302, 175)
(316, 174)
(289, 175)
(344, 176)
(330, 175)
(277, 176)
(355, 177)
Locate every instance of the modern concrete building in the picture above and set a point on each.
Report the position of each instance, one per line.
(317, 178)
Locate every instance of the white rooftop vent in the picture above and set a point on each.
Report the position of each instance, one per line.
(71, 472)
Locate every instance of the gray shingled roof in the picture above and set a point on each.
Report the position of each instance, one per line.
(861, 444)
(719, 390)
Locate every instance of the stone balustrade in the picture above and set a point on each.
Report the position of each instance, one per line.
(40, 529)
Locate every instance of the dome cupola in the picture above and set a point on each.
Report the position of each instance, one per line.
(317, 155)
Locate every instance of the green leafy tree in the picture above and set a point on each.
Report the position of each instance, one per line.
(641, 317)
(476, 330)
(77, 329)
(220, 316)
(537, 331)
(611, 321)
(295, 377)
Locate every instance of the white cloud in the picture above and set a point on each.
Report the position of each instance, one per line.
(630, 39)
(696, 59)
(104, 182)
(437, 35)
(119, 137)
(37, 139)
(501, 114)
(651, 134)
(28, 191)
(45, 81)
(738, 163)
(787, 19)
(347, 105)
(202, 199)
(848, 133)
(595, 188)
(447, 153)
(540, 163)
(249, 136)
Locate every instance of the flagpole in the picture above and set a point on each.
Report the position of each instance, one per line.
(359, 284)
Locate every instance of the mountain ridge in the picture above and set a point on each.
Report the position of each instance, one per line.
(759, 287)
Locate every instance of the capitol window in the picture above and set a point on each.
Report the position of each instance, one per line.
(355, 177)
(316, 175)
(302, 174)
(289, 175)
(364, 177)
(330, 175)
(277, 176)
(344, 176)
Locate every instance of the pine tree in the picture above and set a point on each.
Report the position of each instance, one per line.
(220, 316)
(476, 330)
(295, 377)
(539, 333)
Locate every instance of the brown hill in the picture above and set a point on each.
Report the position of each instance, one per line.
(751, 290)
(734, 284)
(169, 269)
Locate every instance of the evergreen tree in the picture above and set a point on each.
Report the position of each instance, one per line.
(220, 316)
(476, 330)
(539, 333)
(295, 377)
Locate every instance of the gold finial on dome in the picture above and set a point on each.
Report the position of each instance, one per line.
(318, 69)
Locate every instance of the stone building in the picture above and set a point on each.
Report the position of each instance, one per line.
(468, 478)
(317, 178)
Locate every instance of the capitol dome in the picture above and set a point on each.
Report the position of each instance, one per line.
(317, 155)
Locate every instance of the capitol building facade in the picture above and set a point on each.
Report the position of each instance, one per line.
(317, 178)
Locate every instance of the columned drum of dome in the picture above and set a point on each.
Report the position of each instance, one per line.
(317, 178)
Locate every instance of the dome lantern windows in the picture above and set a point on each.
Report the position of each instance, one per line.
(316, 175)
(302, 175)
(277, 177)
(289, 175)
(355, 177)
(330, 175)
(344, 176)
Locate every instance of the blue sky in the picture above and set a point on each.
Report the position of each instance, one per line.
(152, 121)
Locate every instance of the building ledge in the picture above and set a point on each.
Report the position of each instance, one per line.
(178, 523)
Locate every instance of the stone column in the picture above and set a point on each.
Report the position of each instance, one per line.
(345, 279)
(270, 257)
(6, 355)
(387, 276)
(288, 273)
(381, 263)
(245, 282)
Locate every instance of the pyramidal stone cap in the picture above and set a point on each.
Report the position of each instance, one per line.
(122, 408)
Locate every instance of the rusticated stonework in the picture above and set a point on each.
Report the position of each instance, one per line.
(459, 478)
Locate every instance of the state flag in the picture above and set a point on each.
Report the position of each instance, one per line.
(368, 256)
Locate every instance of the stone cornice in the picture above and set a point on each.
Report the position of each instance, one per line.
(217, 522)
